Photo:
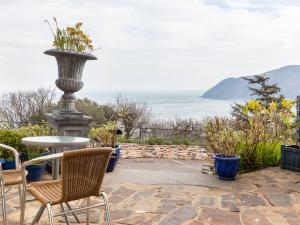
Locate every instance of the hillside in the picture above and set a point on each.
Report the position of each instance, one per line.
(287, 78)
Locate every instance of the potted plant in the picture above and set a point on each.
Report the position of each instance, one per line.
(290, 157)
(106, 136)
(223, 141)
(35, 172)
(72, 49)
(290, 154)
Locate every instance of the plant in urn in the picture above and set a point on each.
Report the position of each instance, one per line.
(71, 46)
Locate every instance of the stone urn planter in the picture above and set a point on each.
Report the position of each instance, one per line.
(70, 67)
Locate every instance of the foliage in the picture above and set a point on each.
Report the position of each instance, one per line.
(260, 129)
(101, 113)
(21, 107)
(221, 136)
(13, 138)
(274, 122)
(265, 154)
(257, 128)
(264, 92)
(265, 126)
(104, 136)
(132, 114)
(70, 38)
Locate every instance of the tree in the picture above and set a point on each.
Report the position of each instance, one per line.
(25, 106)
(265, 93)
(100, 113)
(132, 114)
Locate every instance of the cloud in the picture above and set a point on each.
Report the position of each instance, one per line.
(253, 5)
(151, 45)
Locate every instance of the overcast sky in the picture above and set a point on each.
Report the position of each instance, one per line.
(151, 44)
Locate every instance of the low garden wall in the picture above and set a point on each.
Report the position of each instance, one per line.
(182, 152)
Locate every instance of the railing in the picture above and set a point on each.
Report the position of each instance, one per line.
(16, 124)
(195, 135)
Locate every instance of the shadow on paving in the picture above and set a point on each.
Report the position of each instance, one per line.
(165, 172)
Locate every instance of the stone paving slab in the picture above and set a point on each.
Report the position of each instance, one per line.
(160, 171)
(266, 197)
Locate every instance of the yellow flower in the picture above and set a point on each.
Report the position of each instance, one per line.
(78, 25)
(288, 104)
(273, 106)
(254, 105)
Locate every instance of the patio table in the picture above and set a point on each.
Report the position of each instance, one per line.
(57, 144)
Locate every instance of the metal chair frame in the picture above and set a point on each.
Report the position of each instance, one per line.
(2, 182)
(64, 213)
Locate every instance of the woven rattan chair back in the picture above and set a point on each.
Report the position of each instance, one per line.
(83, 171)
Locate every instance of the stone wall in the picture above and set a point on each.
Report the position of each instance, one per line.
(183, 152)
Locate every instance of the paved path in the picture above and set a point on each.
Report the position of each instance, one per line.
(155, 192)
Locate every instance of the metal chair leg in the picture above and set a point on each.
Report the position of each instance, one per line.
(38, 215)
(22, 193)
(87, 211)
(74, 214)
(3, 204)
(107, 210)
(66, 217)
(50, 214)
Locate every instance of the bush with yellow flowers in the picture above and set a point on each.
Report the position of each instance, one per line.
(257, 137)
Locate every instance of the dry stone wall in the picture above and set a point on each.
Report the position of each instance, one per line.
(180, 152)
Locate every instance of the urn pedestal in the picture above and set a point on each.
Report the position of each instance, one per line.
(67, 120)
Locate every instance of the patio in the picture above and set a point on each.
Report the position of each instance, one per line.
(169, 192)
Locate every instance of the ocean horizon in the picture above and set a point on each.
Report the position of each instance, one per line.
(169, 105)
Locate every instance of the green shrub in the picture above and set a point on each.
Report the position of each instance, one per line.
(13, 138)
(105, 135)
(265, 154)
(10, 138)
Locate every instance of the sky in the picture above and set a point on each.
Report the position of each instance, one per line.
(151, 45)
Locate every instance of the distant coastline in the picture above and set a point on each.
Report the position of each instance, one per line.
(287, 78)
(170, 105)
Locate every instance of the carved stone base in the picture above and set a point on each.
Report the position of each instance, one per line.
(69, 124)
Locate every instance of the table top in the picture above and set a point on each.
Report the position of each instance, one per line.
(56, 141)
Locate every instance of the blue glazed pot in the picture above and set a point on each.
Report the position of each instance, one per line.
(2, 161)
(9, 165)
(35, 172)
(226, 167)
(112, 163)
(118, 152)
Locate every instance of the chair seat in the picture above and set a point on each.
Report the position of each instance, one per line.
(12, 177)
(46, 191)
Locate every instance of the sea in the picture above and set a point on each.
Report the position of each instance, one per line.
(169, 105)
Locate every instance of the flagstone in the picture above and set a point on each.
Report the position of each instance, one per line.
(272, 198)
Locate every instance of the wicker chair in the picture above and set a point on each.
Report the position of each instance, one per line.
(10, 178)
(82, 174)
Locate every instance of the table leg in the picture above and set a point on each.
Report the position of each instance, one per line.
(55, 166)
(55, 169)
